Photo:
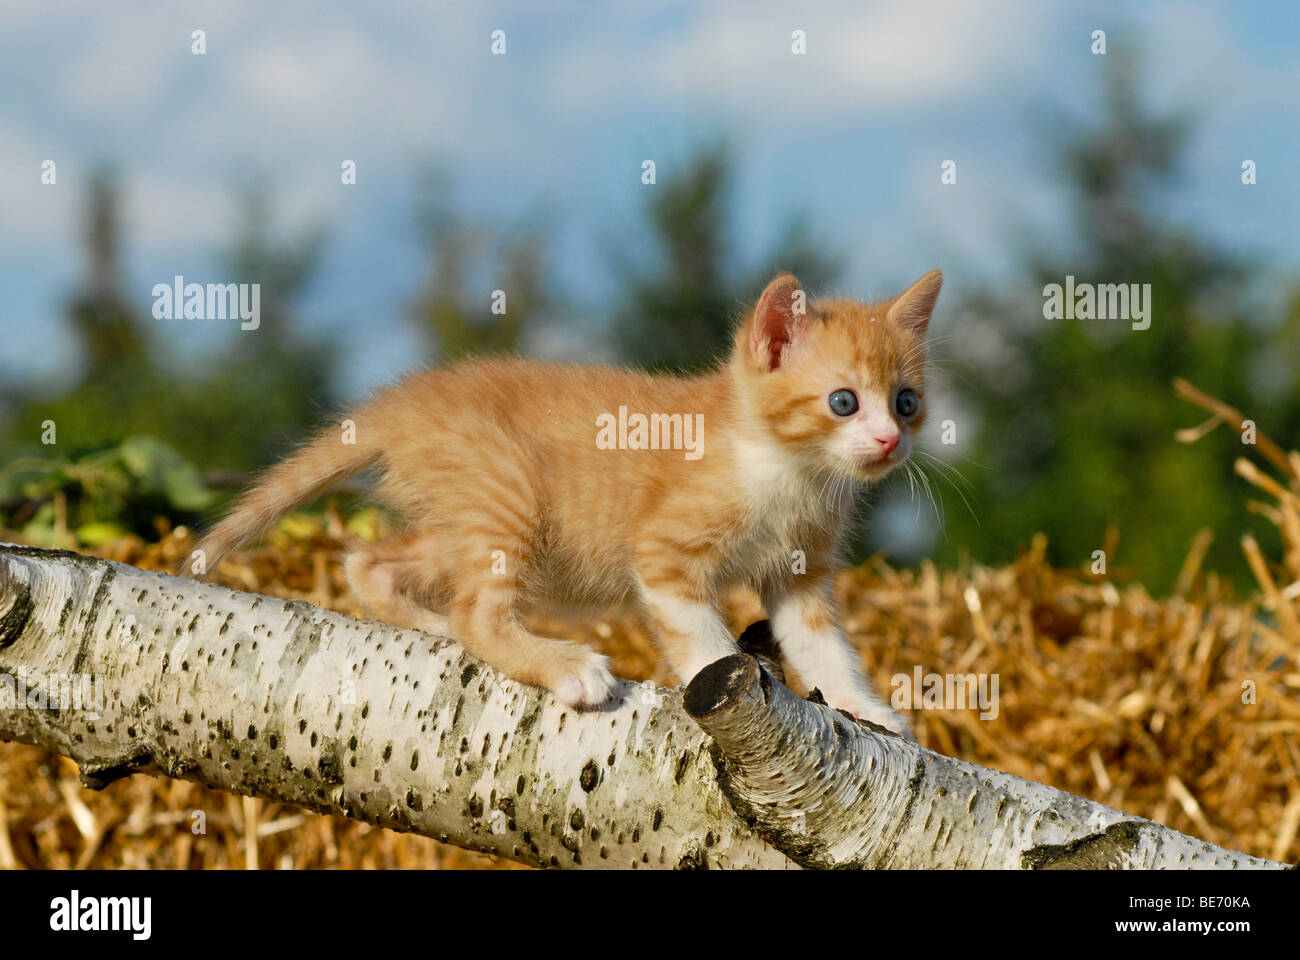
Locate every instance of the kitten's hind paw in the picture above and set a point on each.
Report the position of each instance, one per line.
(589, 685)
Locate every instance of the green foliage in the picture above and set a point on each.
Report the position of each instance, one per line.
(105, 494)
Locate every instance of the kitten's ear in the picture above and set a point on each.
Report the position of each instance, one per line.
(914, 305)
(779, 320)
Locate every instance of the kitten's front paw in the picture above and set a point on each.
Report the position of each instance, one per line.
(588, 685)
(875, 712)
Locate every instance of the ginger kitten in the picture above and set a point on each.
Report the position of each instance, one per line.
(525, 481)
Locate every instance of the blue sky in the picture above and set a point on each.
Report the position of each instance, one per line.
(851, 136)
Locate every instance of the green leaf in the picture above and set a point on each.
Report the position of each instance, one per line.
(39, 530)
(161, 469)
(99, 533)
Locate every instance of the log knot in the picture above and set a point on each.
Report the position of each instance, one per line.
(14, 620)
(98, 773)
(1108, 850)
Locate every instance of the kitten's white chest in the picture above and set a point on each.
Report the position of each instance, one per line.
(783, 504)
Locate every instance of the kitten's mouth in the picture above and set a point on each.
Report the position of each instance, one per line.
(876, 464)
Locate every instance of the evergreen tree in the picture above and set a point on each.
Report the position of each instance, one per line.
(485, 290)
(677, 312)
(1076, 417)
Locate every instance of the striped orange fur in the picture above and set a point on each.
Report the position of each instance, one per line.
(526, 482)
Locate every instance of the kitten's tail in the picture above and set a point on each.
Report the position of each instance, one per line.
(321, 463)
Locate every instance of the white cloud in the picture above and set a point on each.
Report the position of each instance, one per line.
(887, 56)
(277, 98)
(330, 80)
(123, 63)
(36, 215)
(169, 212)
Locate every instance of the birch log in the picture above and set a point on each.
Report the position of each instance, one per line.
(291, 703)
(288, 702)
(833, 792)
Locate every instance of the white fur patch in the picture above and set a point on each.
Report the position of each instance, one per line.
(826, 660)
(783, 502)
(708, 637)
(590, 686)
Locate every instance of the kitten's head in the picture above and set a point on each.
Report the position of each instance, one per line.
(838, 384)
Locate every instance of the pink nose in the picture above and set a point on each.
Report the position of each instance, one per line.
(888, 444)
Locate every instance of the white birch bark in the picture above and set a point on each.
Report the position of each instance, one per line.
(833, 792)
(292, 703)
(354, 718)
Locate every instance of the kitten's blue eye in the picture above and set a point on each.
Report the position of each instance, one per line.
(907, 403)
(844, 402)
